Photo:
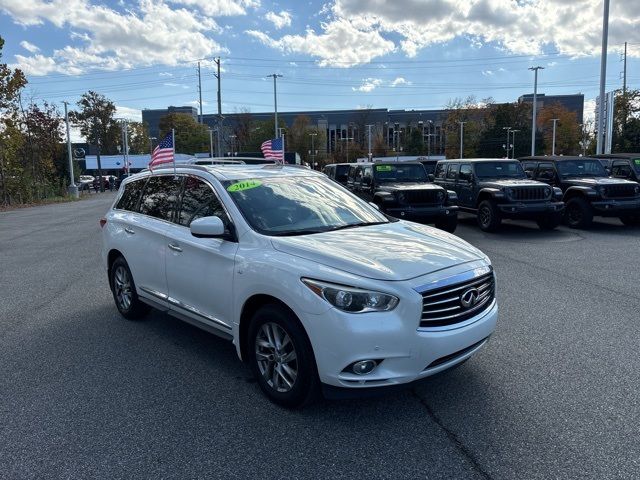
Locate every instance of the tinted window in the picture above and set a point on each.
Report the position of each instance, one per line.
(499, 170)
(452, 172)
(400, 172)
(621, 169)
(546, 171)
(341, 172)
(465, 173)
(131, 195)
(441, 168)
(160, 196)
(368, 172)
(581, 168)
(198, 200)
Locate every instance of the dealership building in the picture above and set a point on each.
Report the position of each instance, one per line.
(341, 125)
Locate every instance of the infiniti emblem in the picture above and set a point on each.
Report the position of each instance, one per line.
(469, 298)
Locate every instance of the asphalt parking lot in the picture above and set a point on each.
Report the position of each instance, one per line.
(86, 394)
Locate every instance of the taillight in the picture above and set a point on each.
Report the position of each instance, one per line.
(103, 222)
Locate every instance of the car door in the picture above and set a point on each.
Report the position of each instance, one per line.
(146, 231)
(464, 185)
(621, 169)
(200, 270)
(452, 176)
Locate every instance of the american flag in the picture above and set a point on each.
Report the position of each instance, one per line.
(163, 153)
(273, 149)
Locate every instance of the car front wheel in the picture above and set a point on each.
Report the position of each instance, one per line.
(489, 218)
(281, 357)
(578, 213)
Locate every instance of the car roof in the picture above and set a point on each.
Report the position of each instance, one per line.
(477, 160)
(618, 156)
(243, 172)
(556, 158)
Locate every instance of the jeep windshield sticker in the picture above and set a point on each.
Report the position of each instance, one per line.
(636, 161)
(244, 185)
(383, 168)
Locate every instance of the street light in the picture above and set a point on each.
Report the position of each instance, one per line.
(275, 100)
(211, 143)
(233, 144)
(312, 151)
(508, 129)
(553, 144)
(535, 109)
(347, 139)
(429, 135)
(461, 139)
(513, 144)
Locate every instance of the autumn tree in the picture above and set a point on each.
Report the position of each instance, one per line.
(626, 121)
(191, 137)
(138, 140)
(474, 114)
(568, 133)
(499, 117)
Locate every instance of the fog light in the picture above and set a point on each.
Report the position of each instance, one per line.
(363, 367)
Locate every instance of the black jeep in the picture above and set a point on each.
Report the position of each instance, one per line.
(621, 165)
(587, 189)
(403, 190)
(494, 189)
(338, 172)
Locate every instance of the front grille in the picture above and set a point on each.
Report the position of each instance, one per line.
(413, 197)
(443, 306)
(530, 193)
(620, 191)
(453, 356)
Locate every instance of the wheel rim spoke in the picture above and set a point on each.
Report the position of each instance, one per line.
(276, 357)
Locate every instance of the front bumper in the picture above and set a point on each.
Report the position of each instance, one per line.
(532, 209)
(614, 207)
(405, 351)
(422, 213)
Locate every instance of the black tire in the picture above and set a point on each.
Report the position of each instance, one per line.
(489, 218)
(578, 213)
(448, 224)
(122, 287)
(286, 390)
(550, 222)
(631, 220)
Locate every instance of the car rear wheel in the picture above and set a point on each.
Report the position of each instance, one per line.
(124, 291)
(549, 222)
(578, 213)
(281, 357)
(448, 224)
(489, 218)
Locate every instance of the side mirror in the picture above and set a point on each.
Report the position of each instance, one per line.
(431, 177)
(529, 173)
(207, 227)
(374, 205)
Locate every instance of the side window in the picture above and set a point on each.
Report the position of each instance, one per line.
(621, 169)
(131, 195)
(160, 197)
(441, 168)
(529, 168)
(199, 200)
(546, 172)
(452, 172)
(352, 173)
(465, 173)
(358, 175)
(367, 175)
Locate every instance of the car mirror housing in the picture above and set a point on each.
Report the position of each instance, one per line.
(431, 177)
(207, 227)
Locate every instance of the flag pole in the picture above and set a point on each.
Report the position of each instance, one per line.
(283, 162)
(173, 142)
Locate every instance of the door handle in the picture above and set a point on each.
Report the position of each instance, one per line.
(129, 230)
(175, 247)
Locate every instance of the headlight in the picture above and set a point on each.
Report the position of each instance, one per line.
(401, 197)
(637, 189)
(601, 190)
(547, 192)
(351, 299)
(508, 192)
(440, 196)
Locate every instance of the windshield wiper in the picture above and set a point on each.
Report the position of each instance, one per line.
(354, 225)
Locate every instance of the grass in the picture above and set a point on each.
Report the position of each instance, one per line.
(44, 201)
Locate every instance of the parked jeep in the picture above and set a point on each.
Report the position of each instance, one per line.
(587, 189)
(402, 190)
(494, 189)
(338, 172)
(621, 165)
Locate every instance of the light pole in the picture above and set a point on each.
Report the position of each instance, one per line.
(233, 144)
(584, 140)
(347, 147)
(513, 145)
(462, 139)
(275, 101)
(211, 143)
(370, 154)
(535, 108)
(553, 144)
(151, 139)
(508, 129)
(73, 189)
(603, 74)
(429, 135)
(421, 127)
(313, 152)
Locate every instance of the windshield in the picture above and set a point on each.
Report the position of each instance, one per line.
(581, 168)
(342, 172)
(401, 173)
(636, 164)
(500, 170)
(299, 205)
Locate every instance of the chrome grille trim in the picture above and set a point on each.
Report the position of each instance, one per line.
(620, 191)
(530, 193)
(422, 196)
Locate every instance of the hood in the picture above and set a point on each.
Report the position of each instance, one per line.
(506, 182)
(392, 251)
(404, 186)
(594, 181)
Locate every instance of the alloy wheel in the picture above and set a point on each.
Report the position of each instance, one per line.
(276, 357)
(485, 216)
(122, 287)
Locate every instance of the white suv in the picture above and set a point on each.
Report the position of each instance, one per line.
(316, 288)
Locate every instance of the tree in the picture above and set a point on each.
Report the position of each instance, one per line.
(626, 121)
(568, 133)
(191, 137)
(494, 137)
(415, 143)
(139, 141)
(475, 115)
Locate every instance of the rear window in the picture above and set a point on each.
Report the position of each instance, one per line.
(342, 172)
(131, 195)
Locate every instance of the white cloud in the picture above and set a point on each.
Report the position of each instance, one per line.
(129, 113)
(165, 74)
(590, 111)
(148, 33)
(368, 85)
(279, 20)
(488, 73)
(172, 84)
(400, 81)
(30, 47)
(340, 44)
(220, 8)
(196, 103)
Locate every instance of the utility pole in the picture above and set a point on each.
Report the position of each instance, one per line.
(462, 139)
(553, 144)
(603, 79)
(125, 127)
(200, 90)
(370, 152)
(211, 143)
(624, 86)
(506, 146)
(535, 109)
(429, 135)
(73, 189)
(275, 100)
(217, 75)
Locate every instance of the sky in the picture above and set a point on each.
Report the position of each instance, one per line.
(338, 54)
